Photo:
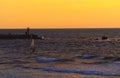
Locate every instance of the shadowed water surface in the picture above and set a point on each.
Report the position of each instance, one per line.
(63, 51)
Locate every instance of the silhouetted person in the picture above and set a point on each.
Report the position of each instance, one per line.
(28, 31)
(32, 46)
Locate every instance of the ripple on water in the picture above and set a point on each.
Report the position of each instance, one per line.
(60, 70)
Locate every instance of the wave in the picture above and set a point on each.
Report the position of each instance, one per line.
(84, 72)
(86, 56)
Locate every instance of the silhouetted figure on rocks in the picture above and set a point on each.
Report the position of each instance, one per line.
(28, 31)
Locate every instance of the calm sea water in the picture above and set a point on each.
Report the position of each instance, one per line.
(65, 45)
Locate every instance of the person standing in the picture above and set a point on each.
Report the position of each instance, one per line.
(32, 46)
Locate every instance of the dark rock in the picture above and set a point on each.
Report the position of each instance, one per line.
(104, 37)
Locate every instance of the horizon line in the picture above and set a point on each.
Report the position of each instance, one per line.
(63, 28)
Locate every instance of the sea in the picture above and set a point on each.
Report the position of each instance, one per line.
(64, 53)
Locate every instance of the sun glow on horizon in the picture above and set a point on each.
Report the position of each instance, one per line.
(60, 13)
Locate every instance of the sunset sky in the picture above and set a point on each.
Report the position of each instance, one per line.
(60, 13)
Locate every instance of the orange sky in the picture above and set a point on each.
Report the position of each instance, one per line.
(60, 13)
